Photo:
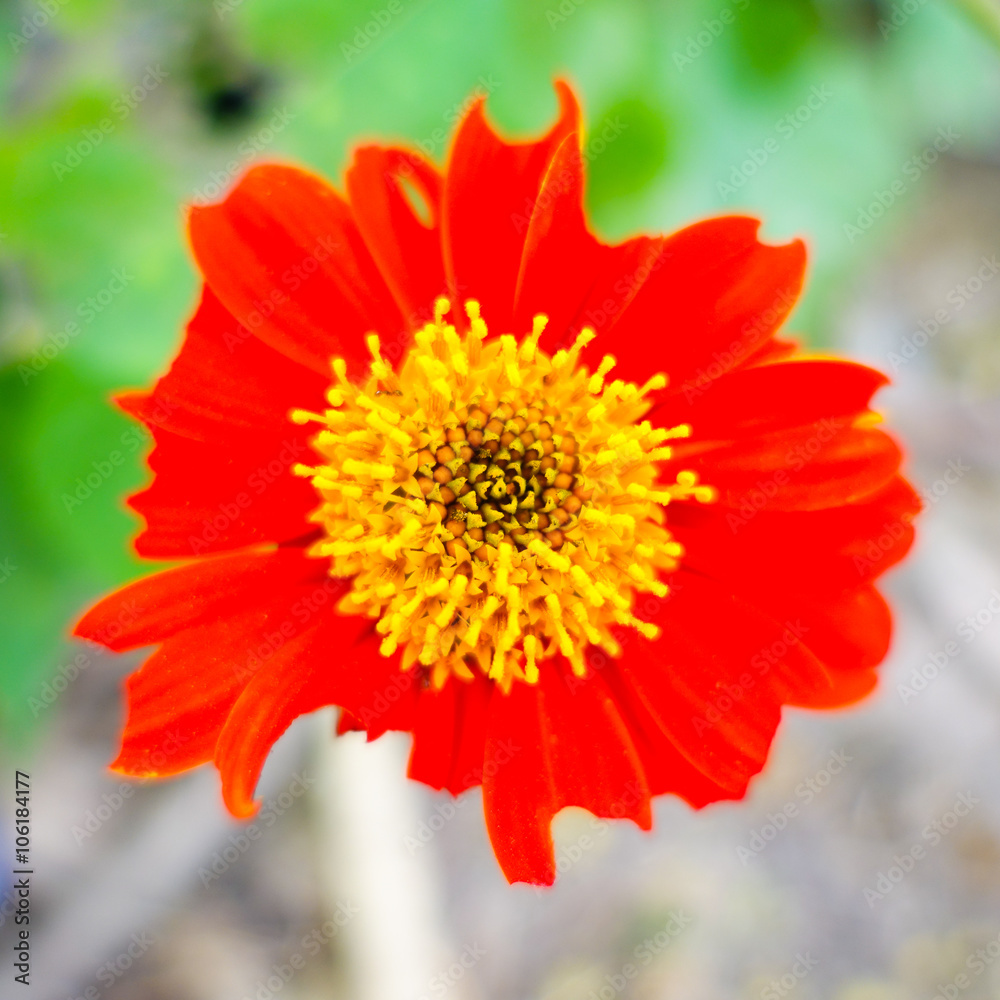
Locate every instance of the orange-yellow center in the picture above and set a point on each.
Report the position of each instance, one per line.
(495, 506)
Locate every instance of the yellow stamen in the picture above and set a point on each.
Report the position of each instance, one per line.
(494, 506)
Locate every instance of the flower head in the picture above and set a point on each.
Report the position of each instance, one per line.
(569, 513)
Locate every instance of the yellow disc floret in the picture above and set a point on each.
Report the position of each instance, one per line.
(494, 505)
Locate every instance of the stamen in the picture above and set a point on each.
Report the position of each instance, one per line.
(493, 505)
(304, 416)
(597, 379)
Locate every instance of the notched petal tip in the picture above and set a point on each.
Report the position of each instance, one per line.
(568, 119)
(569, 103)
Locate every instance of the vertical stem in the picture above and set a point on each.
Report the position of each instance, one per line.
(366, 806)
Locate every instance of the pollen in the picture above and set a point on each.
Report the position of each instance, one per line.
(494, 506)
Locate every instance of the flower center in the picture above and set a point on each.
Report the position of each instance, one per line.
(501, 475)
(495, 506)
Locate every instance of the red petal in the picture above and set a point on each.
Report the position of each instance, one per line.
(847, 687)
(285, 256)
(816, 552)
(716, 692)
(378, 695)
(224, 442)
(219, 621)
(225, 380)
(667, 770)
(560, 257)
(846, 631)
(291, 685)
(406, 249)
(826, 464)
(621, 272)
(560, 742)
(207, 498)
(178, 701)
(309, 672)
(491, 188)
(348, 723)
(711, 298)
(566, 274)
(449, 734)
(760, 400)
(206, 592)
(774, 350)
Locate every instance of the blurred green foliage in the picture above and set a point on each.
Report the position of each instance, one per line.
(117, 114)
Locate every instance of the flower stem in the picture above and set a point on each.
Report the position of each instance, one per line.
(394, 942)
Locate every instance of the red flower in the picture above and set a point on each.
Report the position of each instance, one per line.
(571, 590)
